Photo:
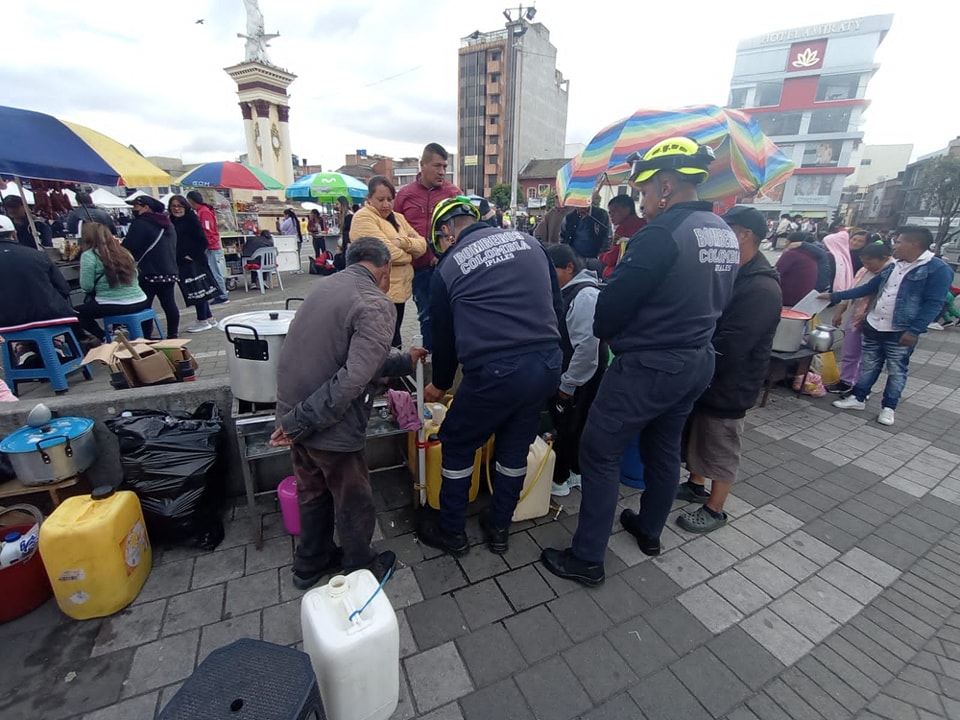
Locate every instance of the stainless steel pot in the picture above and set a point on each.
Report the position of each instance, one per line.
(789, 335)
(822, 338)
(61, 448)
(255, 340)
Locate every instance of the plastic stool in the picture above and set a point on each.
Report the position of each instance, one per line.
(134, 323)
(55, 368)
(249, 680)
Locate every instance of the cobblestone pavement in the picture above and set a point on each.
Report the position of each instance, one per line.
(833, 593)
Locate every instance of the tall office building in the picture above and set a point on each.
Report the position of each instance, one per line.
(490, 66)
(807, 87)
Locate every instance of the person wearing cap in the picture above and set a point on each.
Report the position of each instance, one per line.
(86, 211)
(152, 240)
(659, 331)
(495, 306)
(32, 289)
(742, 341)
(15, 209)
(416, 202)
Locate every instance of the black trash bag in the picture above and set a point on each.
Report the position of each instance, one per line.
(170, 460)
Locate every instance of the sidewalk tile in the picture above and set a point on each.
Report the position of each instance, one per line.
(663, 697)
(482, 603)
(166, 580)
(794, 705)
(675, 624)
(803, 616)
(502, 700)
(758, 530)
(193, 609)
(580, 616)
(447, 712)
(225, 632)
(162, 662)
(218, 567)
(682, 568)
(523, 550)
(552, 690)
(618, 600)
(440, 575)
(537, 633)
(710, 554)
(772, 515)
(857, 586)
(653, 584)
(281, 623)
(870, 566)
(825, 678)
(403, 589)
(870, 649)
(831, 535)
(765, 576)
(811, 548)
(599, 668)
(490, 655)
(849, 668)
(815, 696)
(735, 589)
(838, 605)
(437, 676)
(710, 681)
(252, 592)
(644, 650)
(710, 608)
(780, 639)
(617, 708)
(142, 706)
(436, 621)
(747, 658)
(734, 542)
(479, 564)
(624, 546)
(276, 552)
(524, 588)
(134, 625)
(789, 561)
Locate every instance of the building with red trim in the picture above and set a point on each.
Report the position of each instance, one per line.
(807, 89)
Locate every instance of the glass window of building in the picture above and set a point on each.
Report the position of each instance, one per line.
(494, 78)
(494, 119)
(491, 180)
(779, 123)
(837, 87)
(814, 188)
(495, 55)
(850, 52)
(493, 159)
(493, 139)
(767, 94)
(495, 99)
(770, 60)
(738, 98)
(822, 154)
(829, 121)
(531, 193)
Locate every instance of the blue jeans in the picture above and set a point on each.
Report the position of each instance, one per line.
(217, 267)
(502, 398)
(647, 393)
(421, 296)
(879, 348)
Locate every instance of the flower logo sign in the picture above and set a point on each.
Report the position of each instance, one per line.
(806, 55)
(808, 58)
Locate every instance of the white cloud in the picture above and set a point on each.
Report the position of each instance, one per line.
(382, 75)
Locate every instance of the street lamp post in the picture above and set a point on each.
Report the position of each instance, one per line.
(523, 14)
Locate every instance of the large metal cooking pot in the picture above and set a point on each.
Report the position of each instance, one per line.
(255, 340)
(59, 449)
(789, 335)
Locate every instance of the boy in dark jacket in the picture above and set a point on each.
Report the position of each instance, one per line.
(742, 341)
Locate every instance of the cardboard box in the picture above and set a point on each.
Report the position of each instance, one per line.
(143, 362)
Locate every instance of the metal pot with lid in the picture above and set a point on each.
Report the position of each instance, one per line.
(255, 340)
(50, 449)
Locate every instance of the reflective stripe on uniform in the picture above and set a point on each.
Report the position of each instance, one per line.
(457, 474)
(512, 472)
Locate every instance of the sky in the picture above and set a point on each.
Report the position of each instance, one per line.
(382, 76)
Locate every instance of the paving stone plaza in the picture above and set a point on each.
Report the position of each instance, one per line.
(833, 593)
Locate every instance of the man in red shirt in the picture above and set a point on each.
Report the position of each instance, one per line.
(623, 214)
(416, 201)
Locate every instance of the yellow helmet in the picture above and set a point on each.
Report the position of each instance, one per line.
(680, 154)
(445, 210)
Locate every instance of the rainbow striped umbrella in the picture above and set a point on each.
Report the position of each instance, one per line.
(229, 175)
(41, 147)
(747, 161)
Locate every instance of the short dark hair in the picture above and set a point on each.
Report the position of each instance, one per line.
(624, 201)
(83, 198)
(562, 255)
(785, 215)
(378, 180)
(920, 235)
(368, 249)
(434, 149)
(857, 231)
(875, 251)
(800, 237)
(196, 197)
(12, 201)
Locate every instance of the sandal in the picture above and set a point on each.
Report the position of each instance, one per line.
(702, 521)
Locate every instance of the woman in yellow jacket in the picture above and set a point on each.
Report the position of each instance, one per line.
(377, 219)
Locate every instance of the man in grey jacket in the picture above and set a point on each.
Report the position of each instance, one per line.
(338, 344)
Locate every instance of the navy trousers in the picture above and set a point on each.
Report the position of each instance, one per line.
(503, 398)
(646, 393)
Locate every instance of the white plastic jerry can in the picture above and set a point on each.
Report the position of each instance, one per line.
(355, 650)
(535, 495)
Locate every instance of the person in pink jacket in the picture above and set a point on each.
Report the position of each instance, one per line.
(838, 245)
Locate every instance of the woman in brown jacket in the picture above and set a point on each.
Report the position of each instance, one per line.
(377, 219)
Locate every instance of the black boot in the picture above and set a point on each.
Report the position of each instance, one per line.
(631, 523)
(498, 541)
(430, 533)
(563, 563)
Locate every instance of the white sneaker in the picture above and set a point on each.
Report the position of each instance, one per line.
(934, 326)
(561, 490)
(849, 403)
(199, 327)
(574, 481)
(886, 416)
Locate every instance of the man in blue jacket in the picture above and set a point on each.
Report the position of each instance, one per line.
(908, 295)
(495, 304)
(659, 332)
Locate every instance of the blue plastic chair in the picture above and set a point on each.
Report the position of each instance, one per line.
(55, 367)
(133, 322)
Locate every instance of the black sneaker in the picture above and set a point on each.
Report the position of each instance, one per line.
(498, 541)
(839, 388)
(631, 523)
(563, 563)
(383, 563)
(335, 565)
(691, 492)
(430, 533)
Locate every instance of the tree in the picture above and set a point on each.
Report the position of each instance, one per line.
(500, 195)
(940, 194)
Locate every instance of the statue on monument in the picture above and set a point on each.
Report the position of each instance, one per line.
(257, 39)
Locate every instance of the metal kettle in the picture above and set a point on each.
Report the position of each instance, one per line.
(822, 337)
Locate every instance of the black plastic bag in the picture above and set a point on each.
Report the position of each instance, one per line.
(170, 460)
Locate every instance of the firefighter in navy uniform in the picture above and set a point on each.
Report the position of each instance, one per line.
(494, 303)
(658, 313)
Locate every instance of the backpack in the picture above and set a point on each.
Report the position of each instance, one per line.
(323, 264)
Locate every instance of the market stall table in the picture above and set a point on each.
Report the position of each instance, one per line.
(16, 488)
(779, 362)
